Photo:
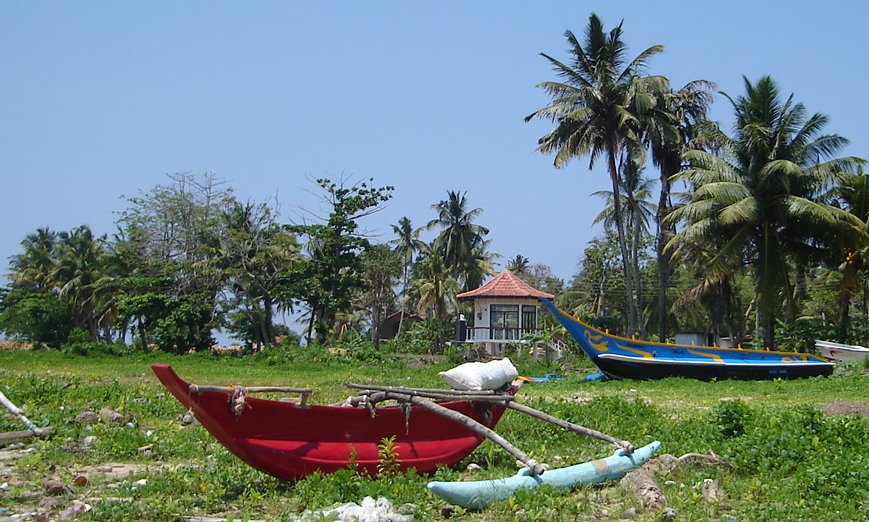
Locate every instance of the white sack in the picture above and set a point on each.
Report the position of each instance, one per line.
(481, 376)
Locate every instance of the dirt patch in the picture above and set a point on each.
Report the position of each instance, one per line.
(848, 408)
(15, 345)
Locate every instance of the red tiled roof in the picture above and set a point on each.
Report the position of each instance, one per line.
(505, 284)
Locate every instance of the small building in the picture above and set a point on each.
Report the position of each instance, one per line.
(388, 328)
(506, 310)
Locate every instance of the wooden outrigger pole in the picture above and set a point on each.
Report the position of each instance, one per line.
(420, 396)
(32, 429)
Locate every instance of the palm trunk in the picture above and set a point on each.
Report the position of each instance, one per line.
(663, 259)
(620, 229)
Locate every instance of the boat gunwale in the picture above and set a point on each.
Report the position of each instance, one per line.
(701, 362)
(672, 346)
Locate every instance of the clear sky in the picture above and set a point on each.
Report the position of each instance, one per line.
(102, 99)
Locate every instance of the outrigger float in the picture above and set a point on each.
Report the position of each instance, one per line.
(479, 494)
(428, 428)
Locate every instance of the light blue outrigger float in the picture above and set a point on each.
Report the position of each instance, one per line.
(479, 494)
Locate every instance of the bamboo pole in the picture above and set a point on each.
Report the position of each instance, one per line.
(10, 437)
(443, 395)
(401, 389)
(374, 397)
(17, 413)
(569, 426)
(535, 467)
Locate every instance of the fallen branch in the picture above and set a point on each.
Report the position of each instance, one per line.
(711, 459)
(641, 482)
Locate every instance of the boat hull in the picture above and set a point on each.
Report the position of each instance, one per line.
(841, 352)
(621, 358)
(479, 494)
(291, 441)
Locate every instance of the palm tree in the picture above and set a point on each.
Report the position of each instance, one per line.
(850, 252)
(676, 127)
(33, 268)
(460, 242)
(406, 245)
(80, 261)
(435, 288)
(519, 265)
(597, 108)
(639, 211)
(759, 193)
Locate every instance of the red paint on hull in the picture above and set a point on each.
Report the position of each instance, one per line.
(291, 441)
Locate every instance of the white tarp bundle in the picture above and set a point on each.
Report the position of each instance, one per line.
(481, 376)
(370, 510)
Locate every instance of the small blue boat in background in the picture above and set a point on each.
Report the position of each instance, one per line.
(621, 358)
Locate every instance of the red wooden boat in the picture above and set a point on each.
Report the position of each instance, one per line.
(290, 441)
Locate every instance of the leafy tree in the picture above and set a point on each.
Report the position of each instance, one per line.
(380, 271)
(597, 288)
(255, 252)
(540, 276)
(759, 193)
(598, 107)
(331, 276)
(171, 236)
(36, 317)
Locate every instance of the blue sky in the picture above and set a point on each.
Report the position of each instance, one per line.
(104, 99)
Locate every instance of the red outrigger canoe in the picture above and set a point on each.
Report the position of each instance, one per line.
(291, 441)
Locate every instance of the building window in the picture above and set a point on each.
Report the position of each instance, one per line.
(529, 319)
(504, 321)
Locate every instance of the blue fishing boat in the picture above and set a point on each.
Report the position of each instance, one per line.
(480, 493)
(622, 358)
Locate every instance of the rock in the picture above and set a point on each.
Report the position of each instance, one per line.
(630, 513)
(186, 419)
(86, 417)
(80, 480)
(55, 487)
(88, 441)
(146, 450)
(110, 415)
(73, 510)
(669, 514)
(712, 491)
(473, 467)
(50, 503)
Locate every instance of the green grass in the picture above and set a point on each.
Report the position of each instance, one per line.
(791, 461)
